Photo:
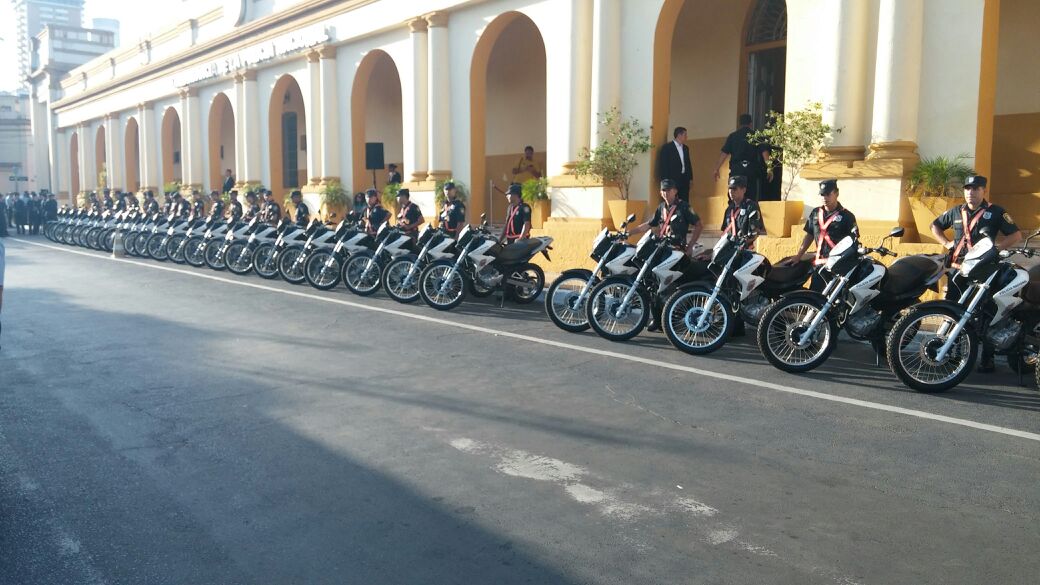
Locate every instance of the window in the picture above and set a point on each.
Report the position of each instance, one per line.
(768, 23)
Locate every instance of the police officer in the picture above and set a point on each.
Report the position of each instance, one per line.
(252, 209)
(303, 213)
(453, 212)
(673, 217)
(120, 204)
(409, 216)
(272, 212)
(826, 225)
(107, 202)
(743, 216)
(198, 206)
(748, 160)
(518, 216)
(167, 203)
(234, 207)
(216, 212)
(181, 208)
(971, 222)
(375, 214)
(150, 205)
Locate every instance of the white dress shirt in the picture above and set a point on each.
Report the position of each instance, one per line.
(682, 157)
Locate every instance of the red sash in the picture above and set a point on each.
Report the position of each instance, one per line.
(966, 239)
(667, 220)
(510, 234)
(824, 236)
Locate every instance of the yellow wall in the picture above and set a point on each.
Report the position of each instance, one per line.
(499, 168)
(516, 92)
(1016, 154)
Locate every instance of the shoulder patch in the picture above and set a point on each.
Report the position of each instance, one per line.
(1007, 218)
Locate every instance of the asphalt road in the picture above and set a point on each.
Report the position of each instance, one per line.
(161, 424)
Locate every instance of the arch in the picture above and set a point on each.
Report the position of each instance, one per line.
(100, 169)
(508, 99)
(763, 61)
(287, 124)
(221, 140)
(171, 147)
(132, 155)
(74, 166)
(701, 81)
(376, 115)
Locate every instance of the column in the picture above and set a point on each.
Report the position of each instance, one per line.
(41, 141)
(439, 87)
(569, 72)
(88, 166)
(115, 156)
(329, 107)
(315, 121)
(844, 93)
(149, 156)
(417, 130)
(59, 164)
(240, 155)
(250, 146)
(897, 79)
(606, 62)
(191, 139)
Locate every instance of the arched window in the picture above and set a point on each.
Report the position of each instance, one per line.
(768, 22)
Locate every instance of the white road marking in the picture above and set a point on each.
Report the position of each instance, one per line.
(578, 348)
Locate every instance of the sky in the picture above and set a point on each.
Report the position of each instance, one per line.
(143, 17)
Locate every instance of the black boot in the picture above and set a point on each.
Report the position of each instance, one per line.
(986, 365)
(739, 329)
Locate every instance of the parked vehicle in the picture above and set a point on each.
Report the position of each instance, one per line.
(239, 255)
(401, 275)
(362, 271)
(933, 347)
(292, 260)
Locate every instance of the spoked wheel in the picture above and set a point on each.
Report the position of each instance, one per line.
(213, 254)
(108, 240)
(92, 238)
(396, 280)
(130, 244)
(610, 316)
(441, 289)
(533, 280)
(694, 326)
(157, 247)
(290, 265)
(914, 345)
(238, 259)
(175, 247)
(565, 302)
(195, 251)
(1017, 360)
(322, 270)
(264, 261)
(781, 332)
(361, 273)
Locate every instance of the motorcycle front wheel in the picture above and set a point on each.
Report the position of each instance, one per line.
(394, 276)
(213, 255)
(175, 248)
(694, 327)
(322, 270)
(264, 261)
(238, 259)
(914, 344)
(609, 318)
(439, 288)
(562, 303)
(781, 329)
(157, 247)
(195, 251)
(361, 274)
(290, 265)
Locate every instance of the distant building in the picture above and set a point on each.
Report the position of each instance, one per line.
(109, 24)
(32, 16)
(15, 143)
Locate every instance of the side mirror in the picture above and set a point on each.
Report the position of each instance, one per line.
(896, 232)
(631, 217)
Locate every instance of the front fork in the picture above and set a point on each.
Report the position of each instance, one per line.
(703, 320)
(454, 269)
(590, 282)
(632, 289)
(833, 289)
(954, 333)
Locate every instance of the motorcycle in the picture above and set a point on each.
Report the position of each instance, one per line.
(265, 258)
(216, 249)
(156, 245)
(400, 278)
(620, 306)
(363, 270)
(323, 267)
(698, 318)
(933, 347)
(481, 267)
(566, 297)
(291, 260)
(191, 245)
(864, 297)
(239, 255)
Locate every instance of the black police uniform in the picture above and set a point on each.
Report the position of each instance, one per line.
(676, 220)
(519, 215)
(151, 206)
(217, 211)
(743, 219)
(409, 214)
(168, 207)
(183, 208)
(272, 212)
(375, 216)
(50, 210)
(254, 209)
(303, 214)
(746, 159)
(198, 208)
(986, 221)
(827, 229)
(236, 210)
(453, 215)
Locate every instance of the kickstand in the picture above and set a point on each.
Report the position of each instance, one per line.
(501, 299)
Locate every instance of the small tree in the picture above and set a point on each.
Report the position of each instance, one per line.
(940, 176)
(616, 157)
(796, 139)
(534, 190)
(389, 195)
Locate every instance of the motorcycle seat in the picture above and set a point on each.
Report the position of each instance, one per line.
(789, 273)
(1031, 293)
(906, 275)
(519, 250)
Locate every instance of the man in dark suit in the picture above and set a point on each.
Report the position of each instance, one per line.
(673, 162)
(393, 177)
(229, 181)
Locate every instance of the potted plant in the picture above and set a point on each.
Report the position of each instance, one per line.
(615, 158)
(334, 200)
(796, 139)
(535, 192)
(389, 195)
(934, 186)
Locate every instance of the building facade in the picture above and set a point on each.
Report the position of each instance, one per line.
(287, 93)
(32, 16)
(15, 144)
